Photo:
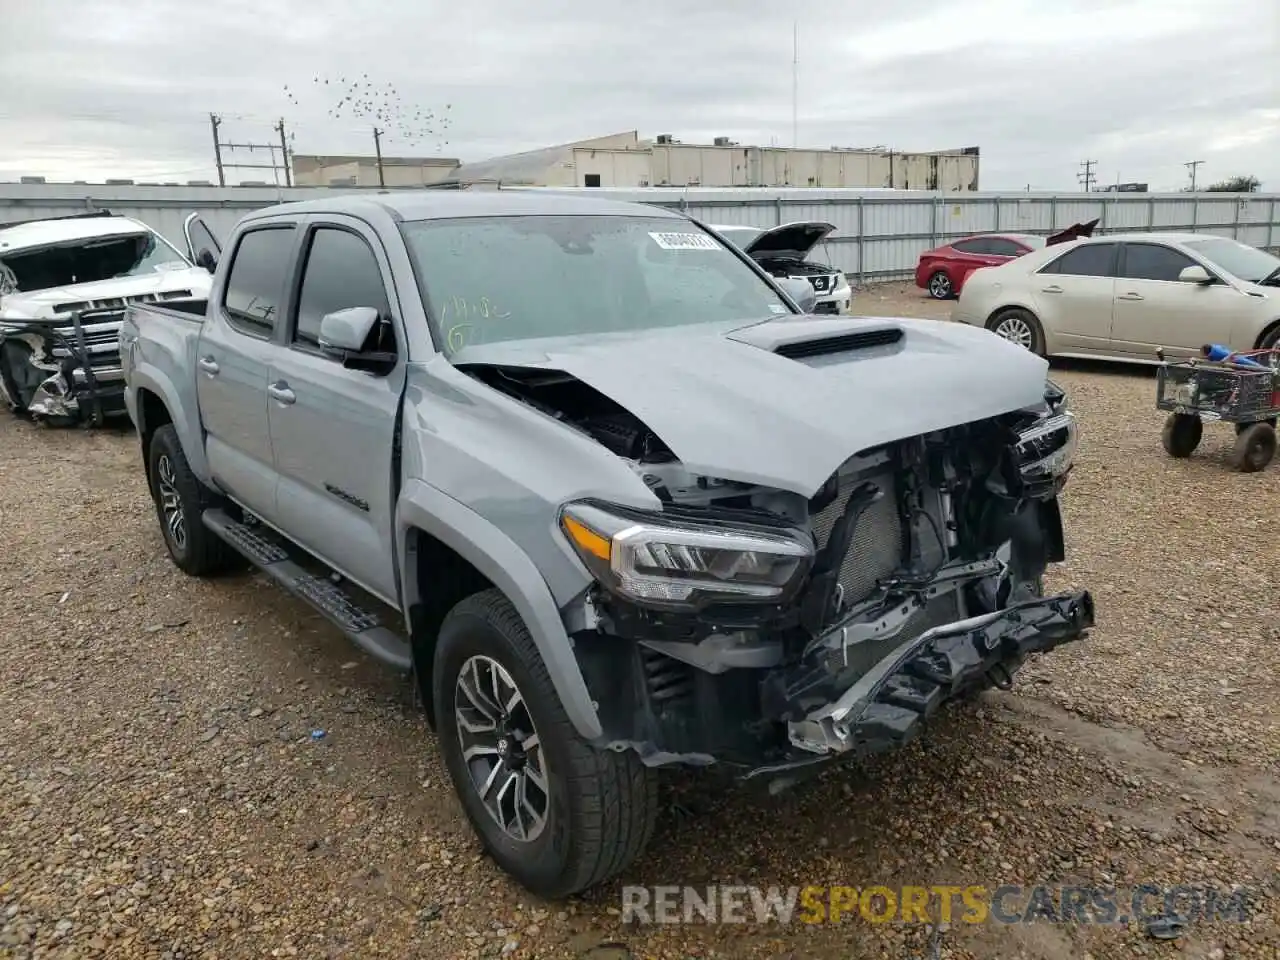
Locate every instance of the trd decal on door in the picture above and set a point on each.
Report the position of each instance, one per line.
(343, 495)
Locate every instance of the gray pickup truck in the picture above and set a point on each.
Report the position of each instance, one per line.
(608, 492)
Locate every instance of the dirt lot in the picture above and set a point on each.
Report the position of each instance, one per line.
(162, 795)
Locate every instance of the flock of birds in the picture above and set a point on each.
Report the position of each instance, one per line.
(381, 106)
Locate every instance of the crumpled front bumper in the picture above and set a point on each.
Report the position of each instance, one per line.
(886, 706)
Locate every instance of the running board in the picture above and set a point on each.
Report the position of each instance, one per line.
(270, 555)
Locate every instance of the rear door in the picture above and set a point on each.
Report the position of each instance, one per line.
(1073, 294)
(974, 253)
(1153, 308)
(232, 363)
(333, 427)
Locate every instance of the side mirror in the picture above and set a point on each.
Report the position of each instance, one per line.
(1195, 274)
(205, 258)
(346, 331)
(801, 291)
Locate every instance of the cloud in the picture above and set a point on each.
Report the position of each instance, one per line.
(114, 88)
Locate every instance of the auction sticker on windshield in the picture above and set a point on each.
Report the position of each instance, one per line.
(684, 241)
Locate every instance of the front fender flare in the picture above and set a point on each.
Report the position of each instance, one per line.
(509, 569)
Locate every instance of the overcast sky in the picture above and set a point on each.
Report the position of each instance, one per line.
(123, 88)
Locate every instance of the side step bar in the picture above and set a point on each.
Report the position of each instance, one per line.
(270, 555)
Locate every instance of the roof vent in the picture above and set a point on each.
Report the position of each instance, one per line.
(842, 343)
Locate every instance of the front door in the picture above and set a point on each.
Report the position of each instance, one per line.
(1154, 309)
(333, 427)
(232, 362)
(1073, 295)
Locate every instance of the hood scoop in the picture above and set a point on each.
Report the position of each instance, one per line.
(841, 343)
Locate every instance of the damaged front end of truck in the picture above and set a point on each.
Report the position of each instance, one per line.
(747, 625)
(64, 370)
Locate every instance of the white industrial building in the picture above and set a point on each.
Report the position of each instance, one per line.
(624, 160)
(363, 171)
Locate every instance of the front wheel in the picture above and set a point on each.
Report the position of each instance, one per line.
(556, 813)
(1181, 434)
(1019, 326)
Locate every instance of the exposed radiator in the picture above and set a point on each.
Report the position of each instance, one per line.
(877, 547)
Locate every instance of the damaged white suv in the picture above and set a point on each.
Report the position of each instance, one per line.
(64, 284)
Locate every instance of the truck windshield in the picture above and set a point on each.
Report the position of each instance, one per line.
(495, 279)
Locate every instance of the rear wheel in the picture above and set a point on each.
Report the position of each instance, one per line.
(940, 287)
(1255, 447)
(1019, 326)
(180, 499)
(553, 811)
(1271, 341)
(1181, 434)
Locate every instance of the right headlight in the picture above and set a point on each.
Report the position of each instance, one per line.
(1047, 448)
(684, 563)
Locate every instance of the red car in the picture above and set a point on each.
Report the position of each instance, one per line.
(942, 270)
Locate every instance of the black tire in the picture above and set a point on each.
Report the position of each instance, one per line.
(600, 805)
(940, 286)
(1255, 447)
(1181, 434)
(1015, 319)
(1271, 339)
(199, 552)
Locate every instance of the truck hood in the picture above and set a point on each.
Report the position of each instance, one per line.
(163, 284)
(785, 402)
(790, 241)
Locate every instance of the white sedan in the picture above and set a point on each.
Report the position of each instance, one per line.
(1124, 296)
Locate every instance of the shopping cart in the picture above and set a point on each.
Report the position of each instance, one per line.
(1240, 388)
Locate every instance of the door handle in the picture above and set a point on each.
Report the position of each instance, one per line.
(1052, 289)
(208, 365)
(1131, 296)
(281, 393)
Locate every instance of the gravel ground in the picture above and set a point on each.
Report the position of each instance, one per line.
(162, 794)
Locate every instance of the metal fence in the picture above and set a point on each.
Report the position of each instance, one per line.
(879, 233)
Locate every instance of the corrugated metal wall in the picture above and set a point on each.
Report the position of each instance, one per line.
(879, 234)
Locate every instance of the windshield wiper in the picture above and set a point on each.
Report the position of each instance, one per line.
(1273, 275)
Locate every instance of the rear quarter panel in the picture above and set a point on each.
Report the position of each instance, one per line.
(158, 354)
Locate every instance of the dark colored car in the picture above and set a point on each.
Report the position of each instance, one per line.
(942, 270)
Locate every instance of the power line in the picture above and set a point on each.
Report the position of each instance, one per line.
(1086, 174)
(1192, 165)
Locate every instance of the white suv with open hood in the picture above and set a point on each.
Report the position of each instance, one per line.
(783, 251)
(64, 285)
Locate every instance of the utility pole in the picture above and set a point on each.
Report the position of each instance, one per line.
(377, 149)
(214, 122)
(284, 153)
(795, 85)
(1192, 165)
(220, 145)
(1086, 175)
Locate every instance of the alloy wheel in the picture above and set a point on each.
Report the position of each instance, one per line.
(175, 519)
(940, 286)
(1016, 330)
(501, 748)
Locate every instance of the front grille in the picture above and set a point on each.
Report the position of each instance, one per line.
(101, 332)
(821, 283)
(877, 547)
